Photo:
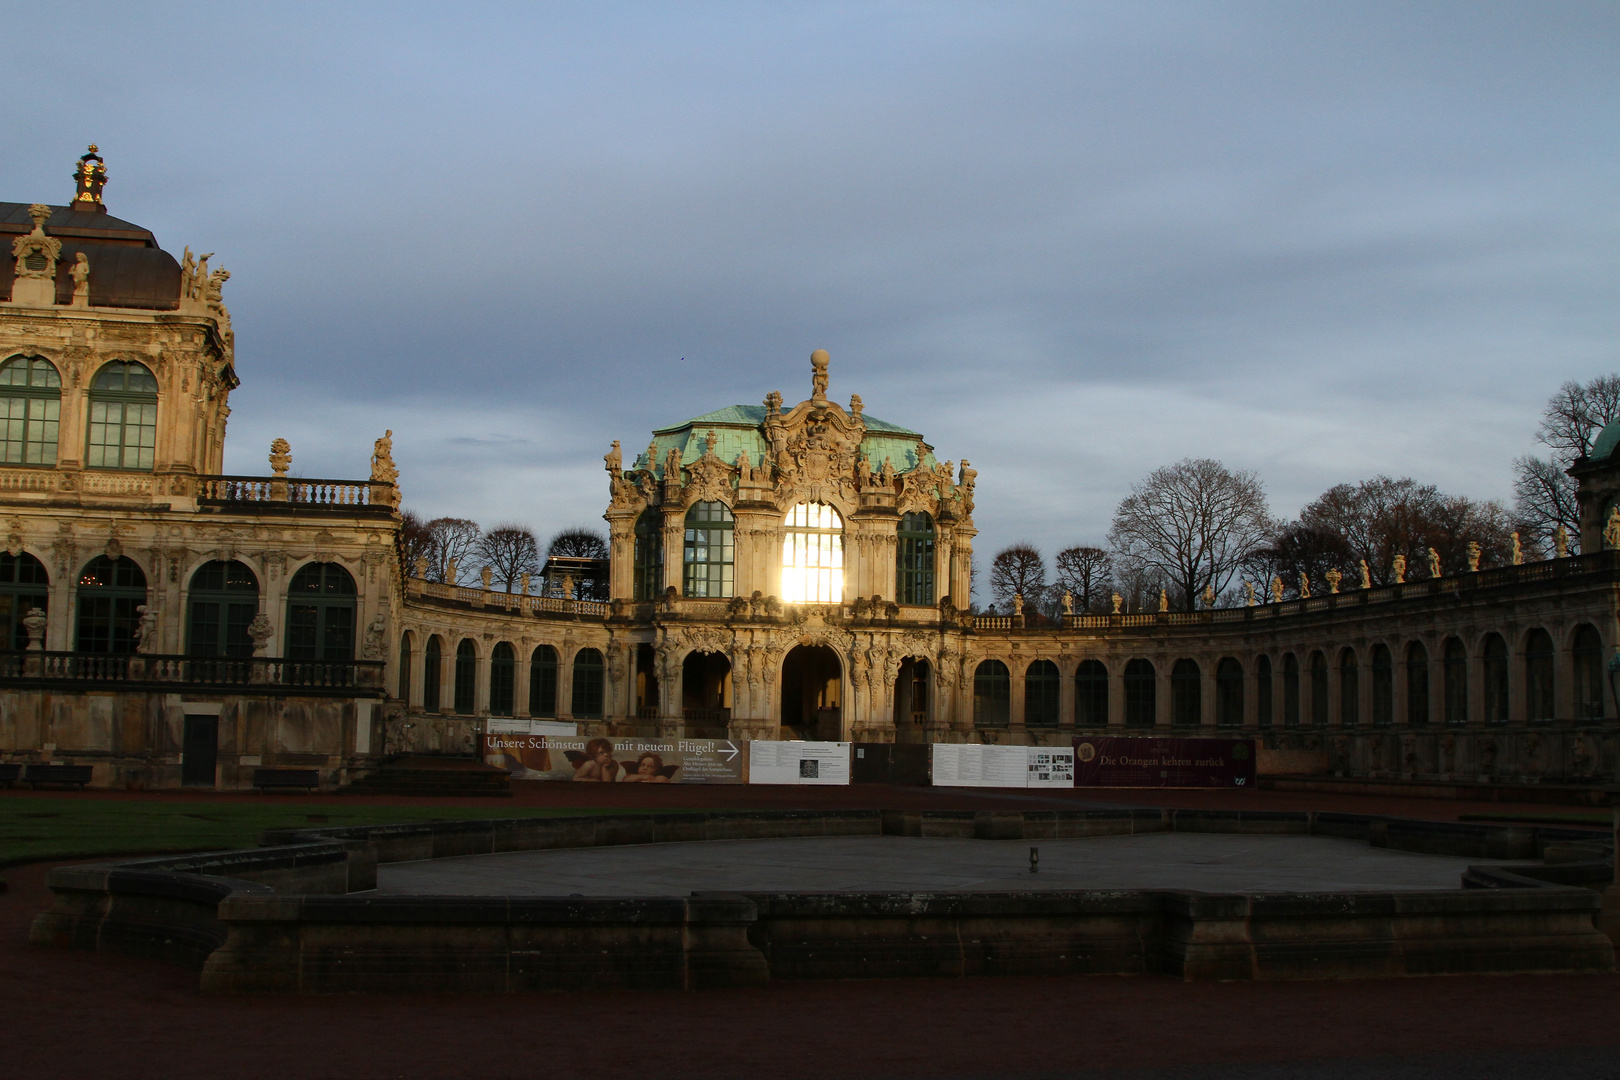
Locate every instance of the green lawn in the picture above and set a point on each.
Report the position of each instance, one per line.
(66, 828)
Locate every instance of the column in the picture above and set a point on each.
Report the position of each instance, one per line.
(521, 677)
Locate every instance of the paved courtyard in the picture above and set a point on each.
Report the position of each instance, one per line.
(1209, 862)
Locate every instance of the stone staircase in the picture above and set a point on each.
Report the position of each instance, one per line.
(418, 775)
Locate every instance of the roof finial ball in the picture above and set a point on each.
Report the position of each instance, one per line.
(818, 376)
(91, 176)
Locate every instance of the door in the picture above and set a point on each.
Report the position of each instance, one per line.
(199, 751)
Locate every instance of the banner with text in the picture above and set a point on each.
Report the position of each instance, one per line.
(798, 763)
(979, 765)
(621, 761)
(1123, 761)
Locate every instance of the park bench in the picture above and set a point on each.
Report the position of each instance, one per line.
(65, 775)
(9, 773)
(282, 779)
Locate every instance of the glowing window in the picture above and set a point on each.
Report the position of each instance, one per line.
(813, 555)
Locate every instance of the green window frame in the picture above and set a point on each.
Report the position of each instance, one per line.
(109, 592)
(466, 687)
(992, 694)
(320, 613)
(587, 692)
(1538, 676)
(1042, 685)
(1417, 684)
(914, 559)
(1141, 693)
(24, 585)
(1263, 691)
(407, 642)
(1229, 693)
(432, 673)
(1091, 694)
(123, 417)
(1349, 689)
(710, 555)
(1186, 693)
(543, 682)
(1454, 658)
(222, 601)
(1383, 686)
(502, 679)
(30, 411)
(649, 556)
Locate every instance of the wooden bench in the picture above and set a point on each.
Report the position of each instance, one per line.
(9, 773)
(283, 779)
(76, 775)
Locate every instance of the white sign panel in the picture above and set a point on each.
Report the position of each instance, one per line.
(1050, 766)
(977, 765)
(798, 762)
(520, 725)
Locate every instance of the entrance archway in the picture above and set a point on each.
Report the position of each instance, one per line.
(706, 695)
(812, 694)
(911, 700)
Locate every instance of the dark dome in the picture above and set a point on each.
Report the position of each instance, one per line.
(127, 268)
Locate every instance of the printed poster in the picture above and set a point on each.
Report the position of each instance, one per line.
(979, 765)
(605, 760)
(798, 762)
(1123, 761)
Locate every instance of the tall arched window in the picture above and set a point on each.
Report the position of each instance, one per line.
(24, 585)
(123, 417)
(914, 560)
(1538, 676)
(1042, 684)
(1262, 691)
(587, 696)
(406, 643)
(992, 694)
(1186, 693)
(1319, 689)
(1141, 693)
(109, 592)
(1417, 684)
(813, 555)
(320, 613)
(224, 598)
(502, 679)
(466, 686)
(1383, 686)
(1091, 695)
(1290, 690)
(1588, 656)
(1229, 693)
(543, 681)
(1496, 679)
(649, 555)
(710, 557)
(1349, 689)
(31, 408)
(1454, 661)
(432, 673)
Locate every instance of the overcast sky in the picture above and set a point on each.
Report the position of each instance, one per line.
(1070, 242)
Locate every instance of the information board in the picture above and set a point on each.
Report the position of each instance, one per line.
(978, 765)
(1122, 761)
(523, 725)
(622, 761)
(1050, 766)
(798, 762)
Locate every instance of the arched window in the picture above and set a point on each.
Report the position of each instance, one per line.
(1141, 693)
(543, 681)
(1496, 679)
(320, 613)
(709, 554)
(1417, 684)
(1454, 661)
(813, 555)
(1262, 691)
(24, 586)
(914, 560)
(502, 679)
(1349, 689)
(1588, 656)
(649, 583)
(109, 592)
(31, 407)
(1186, 693)
(1290, 690)
(466, 686)
(1229, 693)
(123, 417)
(223, 600)
(1091, 695)
(1042, 684)
(587, 697)
(1538, 676)
(992, 694)
(1383, 686)
(406, 643)
(432, 674)
(1319, 689)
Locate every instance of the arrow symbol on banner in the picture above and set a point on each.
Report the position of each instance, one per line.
(730, 751)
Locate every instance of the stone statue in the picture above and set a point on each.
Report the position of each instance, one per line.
(188, 272)
(1209, 597)
(452, 574)
(709, 440)
(1473, 557)
(280, 457)
(1068, 602)
(1611, 530)
(1518, 552)
(215, 292)
(523, 583)
(1304, 586)
(260, 631)
(1560, 543)
(1333, 578)
(967, 478)
(1434, 563)
(1118, 600)
(34, 623)
(486, 575)
(373, 647)
(1366, 575)
(614, 460)
(1018, 604)
(1164, 600)
(200, 279)
(382, 460)
(145, 629)
(855, 406)
(81, 275)
(1400, 569)
(672, 465)
(421, 566)
(1276, 590)
(818, 376)
(1248, 593)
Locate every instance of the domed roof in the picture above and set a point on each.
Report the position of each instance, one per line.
(740, 429)
(1605, 443)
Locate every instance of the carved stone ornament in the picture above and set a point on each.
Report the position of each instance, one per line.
(114, 549)
(382, 460)
(146, 629)
(280, 457)
(376, 632)
(710, 479)
(706, 639)
(260, 631)
(36, 253)
(34, 622)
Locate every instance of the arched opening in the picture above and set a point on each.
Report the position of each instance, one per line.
(812, 681)
(1262, 691)
(223, 600)
(587, 698)
(1319, 689)
(813, 555)
(123, 417)
(320, 613)
(1229, 693)
(646, 683)
(543, 682)
(1042, 684)
(914, 559)
(407, 642)
(465, 692)
(432, 673)
(1383, 686)
(649, 556)
(1186, 693)
(706, 694)
(710, 558)
(109, 592)
(911, 700)
(1587, 653)
(24, 585)
(1417, 684)
(1538, 676)
(1495, 671)
(31, 411)
(1454, 671)
(1349, 689)
(1141, 693)
(1290, 690)
(992, 694)
(502, 679)
(1091, 694)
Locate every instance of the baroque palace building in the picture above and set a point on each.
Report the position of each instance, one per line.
(776, 571)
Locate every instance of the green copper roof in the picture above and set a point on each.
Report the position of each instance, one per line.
(1606, 441)
(736, 429)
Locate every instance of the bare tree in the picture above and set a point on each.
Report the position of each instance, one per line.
(1301, 548)
(1382, 518)
(1544, 495)
(1087, 573)
(442, 540)
(1543, 499)
(1190, 524)
(510, 551)
(415, 541)
(577, 543)
(1574, 416)
(1019, 569)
